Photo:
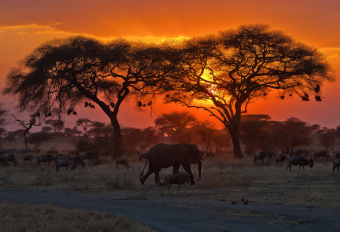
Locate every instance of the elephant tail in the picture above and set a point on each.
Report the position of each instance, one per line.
(142, 173)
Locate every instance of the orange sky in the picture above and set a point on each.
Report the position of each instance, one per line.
(24, 25)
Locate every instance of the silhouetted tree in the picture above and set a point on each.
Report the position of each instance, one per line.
(149, 138)
(57, 124)
(222, 140)
(292, 133)
(28, 126)
(46, 129)
(85, 123)
(65, 73)
(103, 135)
(174, 124)
(38, 138)
(9, 137)
(236, 67)
(206, 130)
(327, 137)
(2, 119)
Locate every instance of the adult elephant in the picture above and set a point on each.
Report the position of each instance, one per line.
(164, 156)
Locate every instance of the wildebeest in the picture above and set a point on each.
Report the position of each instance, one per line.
(60, 156)
(45, 158)
(64, 163)
(336, 164)
(90, 155)
(337, 155)
(298, 152)
(280, 159)
(262, 155)
(123, 161)
(28, 158)
(176, 178)
(10, 157)
(143, 155)
(76, 159)
(321, 154)
(299, 160)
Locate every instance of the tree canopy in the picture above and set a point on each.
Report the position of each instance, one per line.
(233, 68)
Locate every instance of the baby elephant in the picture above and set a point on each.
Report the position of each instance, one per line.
(176, 178)
(123, 161)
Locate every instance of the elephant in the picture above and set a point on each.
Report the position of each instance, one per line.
(165, 155)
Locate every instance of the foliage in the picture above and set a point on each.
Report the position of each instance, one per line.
(56, 124)
(46, 129)
(175, 124)
(149, 138)
(9, 137)
(222, 140)
(38, 138)
(85, 123)
(236, 67)
(293, 132)
(103, 135)
(206, 130)
(64, 73)
(327, 137)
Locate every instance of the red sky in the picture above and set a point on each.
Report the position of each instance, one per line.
(24, 25)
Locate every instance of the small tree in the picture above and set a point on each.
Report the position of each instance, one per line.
(293, 132)
(46, 129)
(56, 124)
(206, 131)
(38, 138)
(327, 137)
(28, 126)
(174, 124)
(9, 137)
(85, 123)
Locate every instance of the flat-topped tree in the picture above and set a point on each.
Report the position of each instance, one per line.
(236, 67)
(65, 73)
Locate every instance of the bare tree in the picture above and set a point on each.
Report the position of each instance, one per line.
(28, 126)
(174, 124)
(236, 67)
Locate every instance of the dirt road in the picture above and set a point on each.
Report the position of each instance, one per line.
(187, 213)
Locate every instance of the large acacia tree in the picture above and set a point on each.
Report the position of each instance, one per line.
(234, 68)
(65, 73)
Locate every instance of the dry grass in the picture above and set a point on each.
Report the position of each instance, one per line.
(34, 218)
(222, 178)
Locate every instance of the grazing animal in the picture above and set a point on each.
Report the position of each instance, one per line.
(10, 157)
(175, 155)
(76, 160)
(336, 164)
(209, 154)
(90, 155)
(299, 160)
(176, 178)
(280, 159)
(28, 158)
(143, 155)
(123, 161)
(45, 158)
(337, 155)
(64, 163)
(322, 154)
(262, 155)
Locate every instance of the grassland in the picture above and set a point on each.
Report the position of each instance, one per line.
(223, 178)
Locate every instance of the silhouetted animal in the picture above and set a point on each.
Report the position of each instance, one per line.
(28, 158)
(299, 160)
(322, 154)
(76, 160)
(176, 178)
(336, 164)
(280, 159)
(262, 155)
(64, 163)
(123, 161)
(10, 158)
(89, 155)
(45, 158)
(337, 154)
(143, 155)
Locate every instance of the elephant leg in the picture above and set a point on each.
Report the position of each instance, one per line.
(157, 181)
(175, 168)
(187, 168)
(143, 178)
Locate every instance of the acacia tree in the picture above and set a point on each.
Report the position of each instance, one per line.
(85, 123)
(38, 138)
(236, 67)
(65, 73)
(175, 124)
(327, 137)
(28, 126)
(206, 130)
(57, 124)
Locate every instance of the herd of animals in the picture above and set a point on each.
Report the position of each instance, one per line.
(164, 156)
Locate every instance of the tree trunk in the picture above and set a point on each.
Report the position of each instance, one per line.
(118, 137)
(26, 147)
(235, 138)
